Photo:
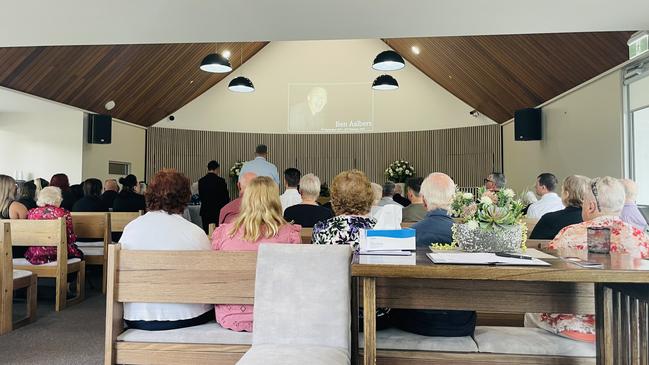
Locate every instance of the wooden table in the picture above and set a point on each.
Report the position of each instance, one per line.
(618, 294)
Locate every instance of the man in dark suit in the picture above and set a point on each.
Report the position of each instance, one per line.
(213, 192)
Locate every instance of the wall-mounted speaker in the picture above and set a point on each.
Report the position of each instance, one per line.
(99, 128)
(527, 125)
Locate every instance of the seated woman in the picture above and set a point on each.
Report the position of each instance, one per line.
(602, 204)
(91, 200)
(387, 216)
(163, 228)
(128, 200)
(10, 208)
(28, 195)
(260, 220)
(62, 182)
(308, 213)
(572, 195)
(351, 199)
(49, 207)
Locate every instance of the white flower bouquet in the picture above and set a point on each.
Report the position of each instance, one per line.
(399, 171)
(491, 223)
(236, 169)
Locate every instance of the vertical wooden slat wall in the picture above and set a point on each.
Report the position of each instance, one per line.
(466, 154)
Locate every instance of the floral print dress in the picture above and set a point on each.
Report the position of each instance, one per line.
(38, 255)
(625, 238)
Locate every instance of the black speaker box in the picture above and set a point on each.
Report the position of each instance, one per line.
(99, 128)
(527, 125)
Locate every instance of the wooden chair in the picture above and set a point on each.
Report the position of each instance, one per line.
(530, 223)
(119, 220)
(306, 235)
(50, 233)
(94, 226)
(175, 277)
(210, 230)
(11, 280)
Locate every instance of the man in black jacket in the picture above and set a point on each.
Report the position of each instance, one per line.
(213, 192)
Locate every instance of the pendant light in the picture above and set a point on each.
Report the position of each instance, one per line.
(385, 82)
(215, 63)
(388, 61)
(241, 84)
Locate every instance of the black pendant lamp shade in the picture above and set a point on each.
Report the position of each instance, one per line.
(385, 82)
(215, 63)
(241, 84)
(388, 61)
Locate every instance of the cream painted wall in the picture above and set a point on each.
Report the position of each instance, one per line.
(582, 134)
(39, 138)
(41, 144)
(639, 93)
(128, 145)
(419, 103)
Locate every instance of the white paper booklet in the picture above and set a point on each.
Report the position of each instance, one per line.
(481, 258)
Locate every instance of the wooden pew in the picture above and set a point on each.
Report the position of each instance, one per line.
(11, 280)
(306, 234)
(530, 223)
(210, 229)
(119, 220)
(94, 226)
(50, 233)
(175, 277)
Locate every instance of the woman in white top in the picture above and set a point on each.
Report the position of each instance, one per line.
(164, 228)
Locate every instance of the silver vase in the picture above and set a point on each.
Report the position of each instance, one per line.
(498, 239)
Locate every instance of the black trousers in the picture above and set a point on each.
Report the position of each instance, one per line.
(206, 220)
(171, 325)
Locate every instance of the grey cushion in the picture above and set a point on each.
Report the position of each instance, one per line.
(294, 355)
(302, 296)
(206, 333)
(92, 251)
(531, 341)
(19, 274)
(396, 339)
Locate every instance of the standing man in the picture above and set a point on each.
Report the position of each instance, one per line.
(546, 184)
(260, 166)
(213, 192)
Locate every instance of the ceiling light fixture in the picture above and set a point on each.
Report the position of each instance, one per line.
(385, 82)
(215, 63)
(110, 105)
(226, 54)
(388, 61)
(415, 49)
(241, 84)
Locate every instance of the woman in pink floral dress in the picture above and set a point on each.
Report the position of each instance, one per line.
(601, 208)
(49, 201)
(260, 221)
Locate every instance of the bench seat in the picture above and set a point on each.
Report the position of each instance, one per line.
(19, 274)
(396, 339)
(24, 262)
(208, 333)
(529, 341)
(90, 244)
(271, 354)
(92, 251)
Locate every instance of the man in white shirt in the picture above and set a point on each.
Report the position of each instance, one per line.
(291, 196)
(388, 192)
(546, 184)
(260, 166)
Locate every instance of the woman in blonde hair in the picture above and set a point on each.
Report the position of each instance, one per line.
(10, 208)
(260, 220)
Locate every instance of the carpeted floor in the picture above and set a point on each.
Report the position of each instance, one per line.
(72, 336)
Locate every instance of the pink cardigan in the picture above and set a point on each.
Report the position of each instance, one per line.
(238, 317)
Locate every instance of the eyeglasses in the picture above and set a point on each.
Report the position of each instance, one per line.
(487, 180)
(593, 188)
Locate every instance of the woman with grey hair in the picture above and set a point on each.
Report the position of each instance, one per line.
(49, 207)
(308, 213)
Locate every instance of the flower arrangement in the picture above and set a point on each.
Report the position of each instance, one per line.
(492, 223)
(236, 169)
(399, 171)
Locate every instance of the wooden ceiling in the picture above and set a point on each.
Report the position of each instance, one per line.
(497, 75)
(147, 82)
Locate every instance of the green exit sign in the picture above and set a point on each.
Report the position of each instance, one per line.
(638, 44)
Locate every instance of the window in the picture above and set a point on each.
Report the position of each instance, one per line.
(119, 168)
(637, 128)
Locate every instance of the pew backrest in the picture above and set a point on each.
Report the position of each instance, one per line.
(92, 225)
(6, 279)
(25, 232)
(306, 234)
(119, 220)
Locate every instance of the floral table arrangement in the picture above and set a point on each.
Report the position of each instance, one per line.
(492, 223)
(399, 171)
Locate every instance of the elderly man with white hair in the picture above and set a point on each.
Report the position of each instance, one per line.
(308, 213)
(630, 213)
(437, 191)
(601, 208)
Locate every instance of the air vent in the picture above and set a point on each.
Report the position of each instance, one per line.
(119, 168)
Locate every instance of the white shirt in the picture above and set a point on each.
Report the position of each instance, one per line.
(387, 200)
(387, 216)
(290, 198)
(550, 202)
(158, 230)
(261, 167)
